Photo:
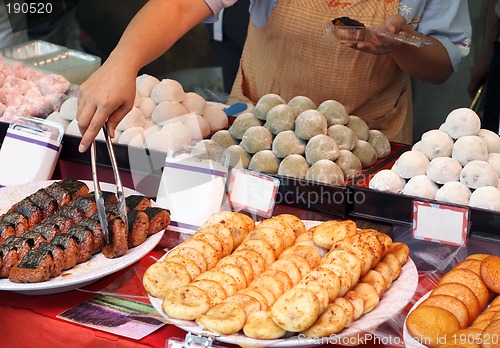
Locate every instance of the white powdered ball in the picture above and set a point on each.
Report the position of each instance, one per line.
(194, 102)
(345, 137)
(72, 129)
(224, 138)
(198, 126)
(147, 106)
(410, 164)
(469, 148)
(494, 160)
(238, 157)
(206, 147)
(117, 136)
(366, 153)
(148, 123)
(359, 126)
(326, 172)
(216, 118)
(421, 186)
(266, 103)
(178, 131)
(454, 192)
(280, 118)
(349, 163)
(334, 112)
(168, 90)
(56, 117)
(129, 134)
(476, 174)
(287, 143)
(444, 169)
(387, 180)
(294, 166)
(301, 103)
(417, 146)
(461, 122)
(137, 100)
(151, 130)
(170, 137)
(436, 143)
(134, 118)
(256, 139)
(138, 140)
(310, 123)
(242, 123)
(321, 147)
(491, 139)
(167, 110)
(486, 197)
(69, 108)
(144, 84)
(264, 162)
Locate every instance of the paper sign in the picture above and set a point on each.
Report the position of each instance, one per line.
(252, 192)
(440, 223)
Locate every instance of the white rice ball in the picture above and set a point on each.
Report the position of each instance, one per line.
(56, 117)
(238, 157)
(436, 143)
(177, 130)
(137, 100)
(129, 134)
(301, 103)
(69, 108)
(167, 110)
(486, 197)
(461, 122)
(421, 186)
(444, 169)
(198, 126)
(168, 90)
(72, 129)
(469, 148)
(147, 106)
(491, 139)
(494, 160)
(410, 164)
(194, 102)
(387, 180)
(476, 174)
(334, 112)
(216, 118)
(144, 84)
(454, 192)
(134, 118)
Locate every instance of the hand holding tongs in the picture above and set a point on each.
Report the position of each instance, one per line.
(101, 209)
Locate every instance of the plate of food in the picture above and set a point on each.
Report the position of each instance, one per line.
(393, 301)
(69, 274)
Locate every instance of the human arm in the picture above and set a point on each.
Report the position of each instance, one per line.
(481, 66)
(108, 94)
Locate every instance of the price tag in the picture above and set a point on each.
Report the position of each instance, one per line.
(440, 223)
(252, 192)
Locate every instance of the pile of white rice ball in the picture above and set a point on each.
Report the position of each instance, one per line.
(458, 163)
(164, 116)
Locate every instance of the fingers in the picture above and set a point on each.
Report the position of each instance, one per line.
(116, 117)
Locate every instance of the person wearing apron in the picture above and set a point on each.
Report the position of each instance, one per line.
(286, 53)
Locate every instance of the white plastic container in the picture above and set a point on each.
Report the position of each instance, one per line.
(29, 150)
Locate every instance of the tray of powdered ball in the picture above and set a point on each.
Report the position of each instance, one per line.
(457, 165)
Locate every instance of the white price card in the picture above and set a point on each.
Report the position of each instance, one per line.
(440, 223)
(252, 192)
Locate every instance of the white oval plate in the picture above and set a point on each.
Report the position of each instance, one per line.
(410, 341)
(393, 302)
(85, 273)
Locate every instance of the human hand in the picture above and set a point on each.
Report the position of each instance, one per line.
(104, 98)
(378, 44)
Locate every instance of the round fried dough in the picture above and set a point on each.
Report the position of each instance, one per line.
(226, 318)
(431, 325)
(471, 265)
(468, 338)
(185, 303)
(299, 261)
(211, 239)
(256, 260)
(319, 290)
(306, 236)
(296, 310)
(452, 304)
(262, 247)
(235, 272)
(223, 233)
(357, 302)
(247, 219)
(289, 268)
(234, 222)
(224, 279)
(271, 236)
(348, 308)
(326, 277)
(295, 223)
(310, 253)
(329, 232)
(463, 293)
(491, 335)
(369, 296)
(191, 254)
(345, 257)
(280, 276)
(256, 295)
(373, 242)
(386, 272)
(490, 273)
(248, 303)
(188, 264)
(214, 290)
(163, 276)
(471, 280)
(479, 257)
(260, 325)
(241, 262)
(376, 280)
(342, 273)
(331, 321)
(285, 230)
(392, 261)
(208, 251)
(360, 249)
(269, 283)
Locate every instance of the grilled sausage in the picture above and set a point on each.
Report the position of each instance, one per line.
(118, 237)
(35, 267)
(85, 241)
(138, 227)
(159, 219)
(47, 204)
(137, 202)
(69, 247)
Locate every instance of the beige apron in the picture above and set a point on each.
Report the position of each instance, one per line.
(290, 56)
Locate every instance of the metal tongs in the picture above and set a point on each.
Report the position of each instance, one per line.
(101, 209)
